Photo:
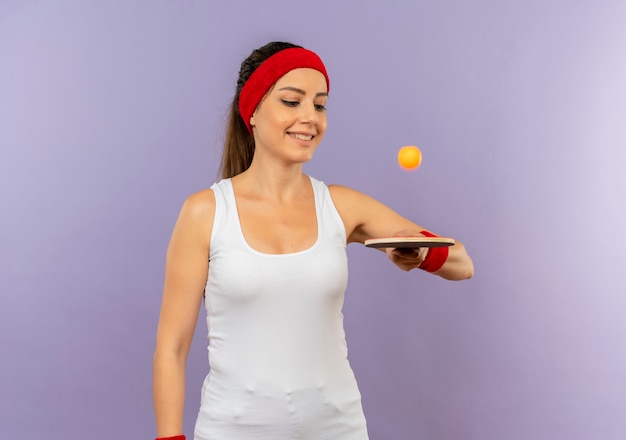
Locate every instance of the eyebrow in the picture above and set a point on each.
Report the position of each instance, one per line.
(302, 92)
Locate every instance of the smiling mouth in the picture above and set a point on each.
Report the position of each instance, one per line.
(302, 137)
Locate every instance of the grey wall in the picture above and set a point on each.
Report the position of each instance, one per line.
(111, 113)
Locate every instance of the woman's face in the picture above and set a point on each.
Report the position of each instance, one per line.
(290, 121)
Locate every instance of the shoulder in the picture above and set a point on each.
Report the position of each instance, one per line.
(341, 191)
(196, 215)
(346, 197)
(354, 207)
(199, 204)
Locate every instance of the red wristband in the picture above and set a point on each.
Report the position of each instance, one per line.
(436, 256)
(176, 437)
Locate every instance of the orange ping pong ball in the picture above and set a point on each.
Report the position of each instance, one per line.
(409, 157)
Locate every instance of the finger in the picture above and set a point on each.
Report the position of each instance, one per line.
(406, 252)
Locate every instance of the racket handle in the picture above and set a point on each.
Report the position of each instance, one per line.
(435, 258)
(175, 437)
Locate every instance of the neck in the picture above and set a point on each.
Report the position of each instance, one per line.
(275, 181)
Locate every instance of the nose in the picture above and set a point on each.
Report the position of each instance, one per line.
(309, 114)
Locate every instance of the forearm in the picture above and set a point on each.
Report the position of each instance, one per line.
(169, 393)
(458, 265)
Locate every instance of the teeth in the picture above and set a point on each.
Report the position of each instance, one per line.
(304, 137)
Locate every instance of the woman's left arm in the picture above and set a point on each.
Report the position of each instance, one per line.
(364, 217)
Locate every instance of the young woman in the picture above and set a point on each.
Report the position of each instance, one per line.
(265, 247)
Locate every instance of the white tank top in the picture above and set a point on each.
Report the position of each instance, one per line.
(275, 320)
(277, 349)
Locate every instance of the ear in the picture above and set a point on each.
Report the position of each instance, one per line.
(252, 122)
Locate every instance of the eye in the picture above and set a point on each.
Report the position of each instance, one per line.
(289, 103)
(320, 107)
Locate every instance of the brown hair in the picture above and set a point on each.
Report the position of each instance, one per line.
(239, 142)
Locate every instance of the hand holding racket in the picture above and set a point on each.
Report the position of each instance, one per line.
(408, 249)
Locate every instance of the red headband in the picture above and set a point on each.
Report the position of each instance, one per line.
(270, 71)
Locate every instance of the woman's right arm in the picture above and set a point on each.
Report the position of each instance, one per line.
(186, 273)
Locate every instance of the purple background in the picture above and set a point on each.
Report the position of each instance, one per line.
(111, 113)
